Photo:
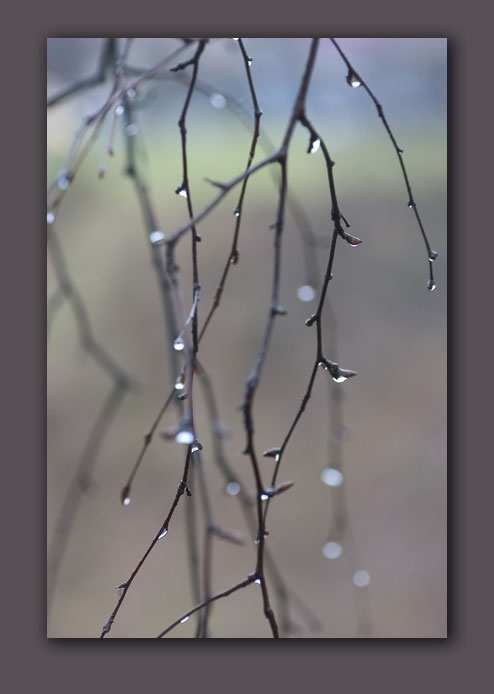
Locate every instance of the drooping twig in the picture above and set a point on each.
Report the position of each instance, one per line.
(355, 80)
(224, 594)
(124, 587)
(338, 374)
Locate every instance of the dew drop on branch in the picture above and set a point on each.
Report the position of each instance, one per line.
(432, 256)
(50, 217)
(332, 477)
(63, 182)
(361, 578)
(353, 80)
(119, 110)
(182, 621)
(431, 285)
(184, 436)
(236, 39)
(236, 212)
(156, 236)
(332, 550)
(126, 501)
(163, 533)
(306, 292)
(339, 379)
(178, 344)
(258, 581)
(314, 146)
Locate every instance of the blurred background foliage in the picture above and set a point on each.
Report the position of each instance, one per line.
(390, 329)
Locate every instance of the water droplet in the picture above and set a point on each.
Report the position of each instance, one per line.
(196, 447)
(332, 550)
(178, 344)
(266, 533)
(163, 533)
(236, 212)
(184, 436)
(361, 578)
(332, 477)
(182, 621)
(120, 590)
(126, 501)
(234, 257)
(432, 256)
(156, 236)
(353, 80)
(50, 217)
(218, 101)
(119, 110)
(431, 285)
(264, 497)
(277, 458)
(258, 581)
(323, 365)
(179, 385)
(132, 129)
(182, 192)
(314, 146)
(249, 61)
(339, 379)
(235, 39)
(400, 150)
(352, 241)
(63, 182)
(411, 204)
(232, 488)
(306, 292)
(131, 93)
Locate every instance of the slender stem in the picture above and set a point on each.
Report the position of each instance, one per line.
(182, 487)
(399, 153)
(224, 594)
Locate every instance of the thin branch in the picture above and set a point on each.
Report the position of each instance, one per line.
(224, 594)
(124, 587)
(354, 79)
(107, 57)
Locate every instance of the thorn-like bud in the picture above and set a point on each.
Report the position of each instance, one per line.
(280, 488)
(272, 452)
(351, 239)
(217, 184)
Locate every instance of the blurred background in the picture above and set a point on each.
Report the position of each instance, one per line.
(390, 329)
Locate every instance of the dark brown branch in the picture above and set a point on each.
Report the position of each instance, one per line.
(224, 594)
(359, 81)
(124, 587)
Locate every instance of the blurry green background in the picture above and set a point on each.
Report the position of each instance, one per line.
(390, 329)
